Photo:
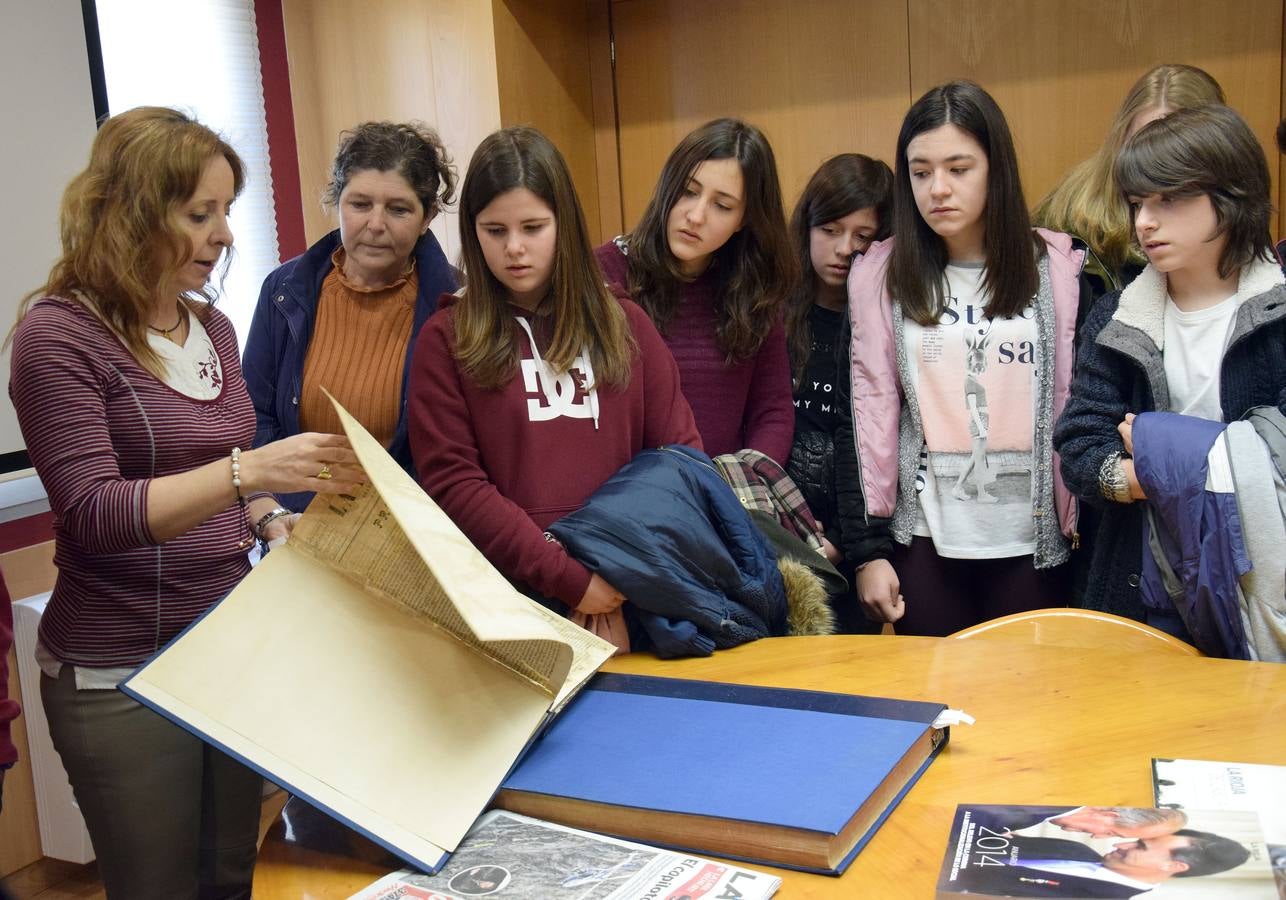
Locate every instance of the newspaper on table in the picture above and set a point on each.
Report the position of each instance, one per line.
(514, 857)
(1206, 784)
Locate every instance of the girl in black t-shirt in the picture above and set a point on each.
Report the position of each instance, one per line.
(842, 210)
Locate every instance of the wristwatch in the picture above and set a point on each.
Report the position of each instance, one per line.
(1112, 483)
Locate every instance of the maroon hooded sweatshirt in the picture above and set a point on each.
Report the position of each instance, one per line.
(504, 463)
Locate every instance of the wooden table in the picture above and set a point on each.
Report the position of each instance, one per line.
(1055, 725)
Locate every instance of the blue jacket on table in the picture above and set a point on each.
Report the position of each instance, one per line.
(1120, 369)
(669, 533)
(273, 362)
(1194, 553)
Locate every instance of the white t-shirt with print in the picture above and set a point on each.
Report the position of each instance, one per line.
(974, 379)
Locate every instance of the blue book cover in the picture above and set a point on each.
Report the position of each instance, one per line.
(783, 777)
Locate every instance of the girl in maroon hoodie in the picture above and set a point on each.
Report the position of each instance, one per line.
(533, 385)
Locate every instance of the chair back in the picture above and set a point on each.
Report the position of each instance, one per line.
(1078, 628)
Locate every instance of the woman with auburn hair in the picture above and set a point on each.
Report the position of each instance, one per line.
(1086, 203)
(342, 318)
(711, 263)
(533, 385)
(961, 355)
(155, 501)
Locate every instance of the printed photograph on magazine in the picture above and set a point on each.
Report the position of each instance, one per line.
(509, 856)
(1206, 784)
(1149, 853)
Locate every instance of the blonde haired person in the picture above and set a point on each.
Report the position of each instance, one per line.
(128, 389)
(1086, 203)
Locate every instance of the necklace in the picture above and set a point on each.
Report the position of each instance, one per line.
(166, 332)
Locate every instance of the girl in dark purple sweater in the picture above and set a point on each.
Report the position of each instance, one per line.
(710, 262)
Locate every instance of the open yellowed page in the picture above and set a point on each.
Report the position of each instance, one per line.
(396, 542)
(379, 717)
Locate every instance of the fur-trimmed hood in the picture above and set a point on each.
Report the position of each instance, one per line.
(1137, 327)
(1143, 301)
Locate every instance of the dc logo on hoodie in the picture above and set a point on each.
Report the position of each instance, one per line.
(559, 393)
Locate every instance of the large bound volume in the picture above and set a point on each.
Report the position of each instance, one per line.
(1105, 851)
(792, 778)
(376, 665)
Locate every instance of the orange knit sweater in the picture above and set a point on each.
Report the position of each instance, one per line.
(358, 352)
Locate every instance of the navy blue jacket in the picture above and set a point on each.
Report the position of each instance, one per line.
(668, 532)
(1120, 369)
(273, 362)
(1197, 531)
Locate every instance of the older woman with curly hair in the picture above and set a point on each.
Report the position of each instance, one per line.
(344, 315)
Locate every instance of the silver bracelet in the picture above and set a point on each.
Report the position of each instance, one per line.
(1112, 483)
(267, 518)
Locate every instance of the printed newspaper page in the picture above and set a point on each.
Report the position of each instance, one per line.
(513, 857)
(1205, 784)
(395, 542)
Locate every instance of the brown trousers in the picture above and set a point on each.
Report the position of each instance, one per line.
(170, 817)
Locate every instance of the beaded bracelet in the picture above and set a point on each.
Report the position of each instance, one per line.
(241, 501)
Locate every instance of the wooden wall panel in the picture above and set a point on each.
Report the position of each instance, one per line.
(353, 61)
(1060, 70)
(819, 77)
(543, 64)
(602, 65)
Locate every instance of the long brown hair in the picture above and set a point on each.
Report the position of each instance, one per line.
(1086, 202)
(584, 312)
(919, 256)
(117, 223)
(840, 187)
(756, 268)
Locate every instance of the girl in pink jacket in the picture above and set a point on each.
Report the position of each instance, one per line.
(961, 357)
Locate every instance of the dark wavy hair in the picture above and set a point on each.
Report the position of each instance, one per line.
(1212, 151)
(919, 256)
(840, 187)
(755, 268)
(1208, 853)
(412, 149)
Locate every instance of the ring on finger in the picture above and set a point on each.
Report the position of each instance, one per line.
(324, 474)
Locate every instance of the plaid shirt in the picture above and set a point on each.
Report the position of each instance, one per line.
(760, 483)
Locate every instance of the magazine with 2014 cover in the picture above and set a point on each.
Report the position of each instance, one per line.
(1100, 851)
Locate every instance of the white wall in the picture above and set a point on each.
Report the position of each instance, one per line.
(47, 117)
